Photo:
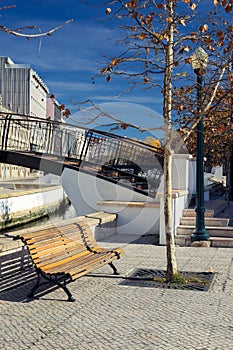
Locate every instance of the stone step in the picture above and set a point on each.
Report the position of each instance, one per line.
(182, 240)
(221, 242)
(214, 231)
(192, 213)
(217, 242)
(209, 221)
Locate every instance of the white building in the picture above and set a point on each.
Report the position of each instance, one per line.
(21, 89)
(9, 171)
(54, 111)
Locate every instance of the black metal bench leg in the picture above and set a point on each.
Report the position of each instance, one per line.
(66, 290)
(115, 272)
(53, 281)
(31, 294)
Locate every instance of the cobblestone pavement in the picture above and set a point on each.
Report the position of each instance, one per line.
(107, 315)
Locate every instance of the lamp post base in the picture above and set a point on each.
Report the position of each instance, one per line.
(201, 244)
(199, 235)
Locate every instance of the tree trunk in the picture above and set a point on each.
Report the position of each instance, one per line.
(168, 214)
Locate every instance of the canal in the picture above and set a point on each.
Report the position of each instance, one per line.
(64, 213)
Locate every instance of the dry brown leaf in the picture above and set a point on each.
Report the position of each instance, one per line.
(187, 48)
(182, 21)
(228, 8)
(114, 62)
(108, 10)
(104, 70)
(159, 6)
(142, 36)
(204, 28)
(193, 6)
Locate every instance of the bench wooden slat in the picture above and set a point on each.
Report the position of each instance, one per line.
(40, 252)
(37, 234)
(59, 240)
(61, 258)
(77, 256)
(56, 254)
(88, 260)
(62, 244)
(65, 267)
(74, 235)
(74, 273)
(77, 274)
(47, 246)
(54, 231)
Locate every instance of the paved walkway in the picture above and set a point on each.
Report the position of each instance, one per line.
(108, 315)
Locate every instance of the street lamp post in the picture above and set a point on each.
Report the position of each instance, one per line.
(230, 174)
(199, 63)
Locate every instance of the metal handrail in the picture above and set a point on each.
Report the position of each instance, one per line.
(102, 151)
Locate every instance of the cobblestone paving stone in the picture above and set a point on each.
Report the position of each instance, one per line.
(107, 315)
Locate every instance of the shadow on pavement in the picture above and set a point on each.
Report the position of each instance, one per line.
(19, 293)
(130, 239)
(18, 276)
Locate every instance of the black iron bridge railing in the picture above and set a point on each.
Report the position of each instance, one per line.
(26, 141)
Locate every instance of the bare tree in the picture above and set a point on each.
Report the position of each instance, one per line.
(156, 40)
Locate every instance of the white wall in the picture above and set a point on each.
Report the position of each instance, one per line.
(134, 218)
(85, 191)
(30, 201)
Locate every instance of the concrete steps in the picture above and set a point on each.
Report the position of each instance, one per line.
(191, 213)
(221, 235)
(214, 231)
(219, 222)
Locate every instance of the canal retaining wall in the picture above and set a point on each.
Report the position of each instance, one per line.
(29, 202)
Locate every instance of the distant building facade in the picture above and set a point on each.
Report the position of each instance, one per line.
(54, 111)
(21, 89)
(9, 171)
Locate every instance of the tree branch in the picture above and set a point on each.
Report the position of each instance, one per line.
(17, 32)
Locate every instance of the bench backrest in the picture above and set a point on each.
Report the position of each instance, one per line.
(55, 244)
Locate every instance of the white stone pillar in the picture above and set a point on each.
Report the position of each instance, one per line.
(181, 189)
(180, 171)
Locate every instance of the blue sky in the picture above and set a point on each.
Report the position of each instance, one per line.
(70, 57)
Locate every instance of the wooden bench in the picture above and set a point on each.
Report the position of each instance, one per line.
(65, 253)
